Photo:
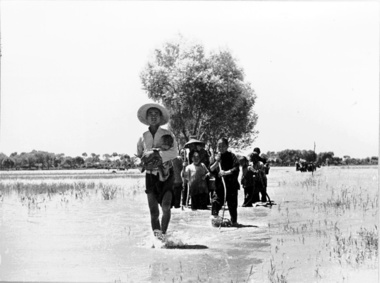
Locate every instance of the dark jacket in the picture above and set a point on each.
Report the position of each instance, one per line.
(248, 178)
(229, 162)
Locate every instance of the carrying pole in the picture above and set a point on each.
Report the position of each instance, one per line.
(225, 196)
(188, 186)
(184, 172)
(262, 184)
(315, 161)
(188, 189)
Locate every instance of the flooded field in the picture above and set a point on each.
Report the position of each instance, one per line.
(94, 226)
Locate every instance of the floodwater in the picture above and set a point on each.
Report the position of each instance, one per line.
(71, 237)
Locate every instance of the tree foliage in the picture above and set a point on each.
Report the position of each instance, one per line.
(36, 160)
(325, 157)
(8, 163)
(206, 94)
(288, 157)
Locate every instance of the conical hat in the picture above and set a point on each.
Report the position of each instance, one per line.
(141, 113)
(193, 141)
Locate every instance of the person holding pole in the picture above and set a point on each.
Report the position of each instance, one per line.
(226, 165)
(158, 192)
(177, 186)
(185, 189)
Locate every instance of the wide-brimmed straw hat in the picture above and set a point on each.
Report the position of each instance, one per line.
(141, 113)
(193, 141)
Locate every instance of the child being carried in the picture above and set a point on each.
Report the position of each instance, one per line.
(155, 162)
(166, 143)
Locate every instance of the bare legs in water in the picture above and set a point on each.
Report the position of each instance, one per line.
(155, 212)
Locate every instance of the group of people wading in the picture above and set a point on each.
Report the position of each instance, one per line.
(203, 178)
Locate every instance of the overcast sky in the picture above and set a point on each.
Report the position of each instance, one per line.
(70, 70)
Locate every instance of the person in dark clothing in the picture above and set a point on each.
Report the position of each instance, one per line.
(247, 182)
(266, 166)
(262, 159)
(226, 165)
(257, 167)
(205, 159)
(177, 183)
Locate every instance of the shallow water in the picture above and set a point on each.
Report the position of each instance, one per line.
(87, 238)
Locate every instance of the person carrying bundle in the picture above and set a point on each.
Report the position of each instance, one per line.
(158, 191)
(165, 143)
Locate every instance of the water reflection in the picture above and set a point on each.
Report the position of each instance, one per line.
(230, 254)
(79, 236)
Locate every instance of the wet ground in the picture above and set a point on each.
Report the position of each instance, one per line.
(87, 238)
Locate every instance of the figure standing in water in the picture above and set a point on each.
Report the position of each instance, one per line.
(258, 170)
(247, 182)
(195, 176)
(226, 166)
(158, 192)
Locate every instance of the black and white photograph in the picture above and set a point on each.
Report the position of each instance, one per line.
(189, 141)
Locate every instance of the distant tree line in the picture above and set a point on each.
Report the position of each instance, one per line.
(289, 157)
(42, 160)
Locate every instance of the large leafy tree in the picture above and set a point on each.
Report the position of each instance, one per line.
(2, 158)
(206, 94)
(78, 161)
(8, 163)
(325, 157)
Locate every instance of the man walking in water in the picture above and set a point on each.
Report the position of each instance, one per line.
(158, 192)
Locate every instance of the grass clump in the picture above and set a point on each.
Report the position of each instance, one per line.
(356, 250)
(108, 192)
(275, 276)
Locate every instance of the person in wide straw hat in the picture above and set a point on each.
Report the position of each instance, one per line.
(193, 141)
(158, 192)
(195, 145)
(143, 110)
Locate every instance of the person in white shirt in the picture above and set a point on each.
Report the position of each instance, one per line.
(158, 192)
